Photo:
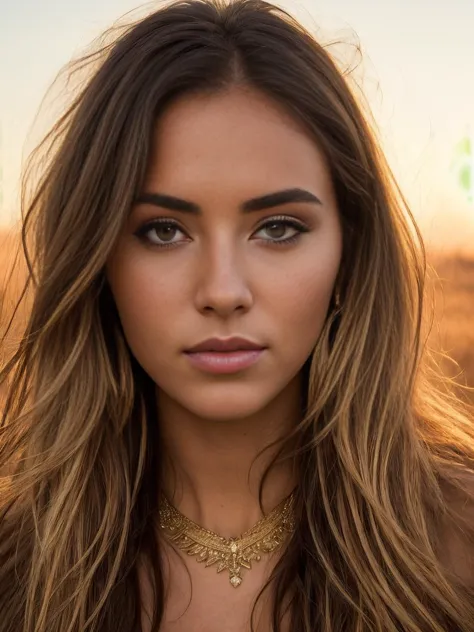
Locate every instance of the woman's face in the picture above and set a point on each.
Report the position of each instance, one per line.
(221, 271)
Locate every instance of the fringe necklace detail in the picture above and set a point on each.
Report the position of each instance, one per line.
(233, 554)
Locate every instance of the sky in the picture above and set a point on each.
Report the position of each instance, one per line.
(417, 74)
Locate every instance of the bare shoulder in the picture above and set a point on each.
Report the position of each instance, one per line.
(457, 532)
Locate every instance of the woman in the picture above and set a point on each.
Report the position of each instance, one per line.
(219, 415)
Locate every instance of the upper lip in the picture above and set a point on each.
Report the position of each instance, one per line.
(225, 344)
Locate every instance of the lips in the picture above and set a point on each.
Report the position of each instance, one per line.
(222, 345)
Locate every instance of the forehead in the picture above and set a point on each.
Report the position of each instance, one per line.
(240, 140)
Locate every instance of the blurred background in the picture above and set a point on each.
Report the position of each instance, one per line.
(412, 65)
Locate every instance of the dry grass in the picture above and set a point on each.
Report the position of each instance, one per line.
(15, 273)
(9, 265)
(453, 328)
(452, 291)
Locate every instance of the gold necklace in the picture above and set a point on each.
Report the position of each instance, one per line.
(267, 535)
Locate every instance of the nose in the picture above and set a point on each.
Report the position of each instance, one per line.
(222, 285)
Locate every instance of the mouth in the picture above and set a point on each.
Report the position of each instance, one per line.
(225, 361)
(226, 345)
(225, 355)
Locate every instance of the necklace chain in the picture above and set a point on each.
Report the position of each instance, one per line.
(233, 554)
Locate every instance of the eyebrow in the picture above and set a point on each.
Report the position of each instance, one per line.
(269, 200)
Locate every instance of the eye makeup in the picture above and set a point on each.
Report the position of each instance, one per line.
(168, 223)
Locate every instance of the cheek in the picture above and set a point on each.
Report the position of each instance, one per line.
(301, 307)
(300, 295)
(147, 302)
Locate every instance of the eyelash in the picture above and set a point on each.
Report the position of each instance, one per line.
(286, 221)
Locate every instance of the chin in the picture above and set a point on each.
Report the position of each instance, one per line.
(228, 409)
(225, 402)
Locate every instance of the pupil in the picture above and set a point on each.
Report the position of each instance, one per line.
(277, 227)
(164, 229)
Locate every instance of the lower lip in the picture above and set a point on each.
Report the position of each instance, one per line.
(224, 362)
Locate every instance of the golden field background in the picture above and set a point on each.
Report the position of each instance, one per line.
(449, 288)
(453, 328)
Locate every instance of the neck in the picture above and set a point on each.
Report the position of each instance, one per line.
(212, 469)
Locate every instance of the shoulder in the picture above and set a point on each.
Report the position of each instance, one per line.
(456, 541)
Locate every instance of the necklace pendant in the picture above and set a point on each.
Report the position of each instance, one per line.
(235, 577)
(235, 580)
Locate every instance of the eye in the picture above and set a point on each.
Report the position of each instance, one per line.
(282, 224)
(163, 230)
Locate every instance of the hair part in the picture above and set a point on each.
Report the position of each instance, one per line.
(382, 436)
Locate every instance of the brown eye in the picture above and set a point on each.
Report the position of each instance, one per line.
(277, 228)
(164, 232)
(160, 233)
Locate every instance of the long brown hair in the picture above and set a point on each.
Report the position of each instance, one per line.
(382, 436)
